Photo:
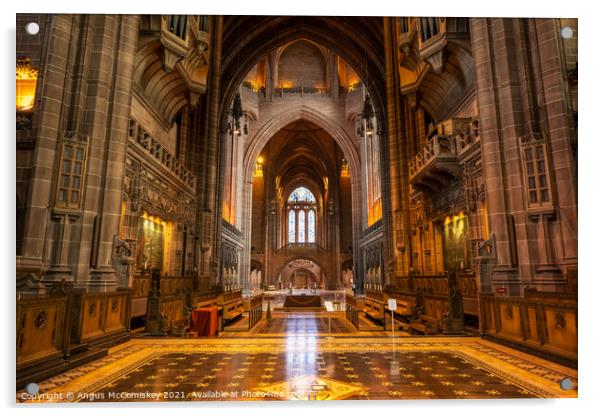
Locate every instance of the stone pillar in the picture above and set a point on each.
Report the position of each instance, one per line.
(491, 53)
(114, 49)
(395, 177)
(561, 134)
(37, 230)
(521, 98)
(209, 211)
(85, 99)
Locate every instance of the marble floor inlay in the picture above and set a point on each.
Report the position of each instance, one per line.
(307, 368)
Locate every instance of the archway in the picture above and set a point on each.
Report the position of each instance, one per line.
(302, 173)
(363, 53)
(358, 40)
(305, 269)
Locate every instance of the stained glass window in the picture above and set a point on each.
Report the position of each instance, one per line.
(291, 226)
(301, 194)
(311, 226)
(301, 216)
(301, 233)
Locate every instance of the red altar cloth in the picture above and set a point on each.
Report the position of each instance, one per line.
(204, 322)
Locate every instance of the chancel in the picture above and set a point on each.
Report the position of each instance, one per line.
(320, 208)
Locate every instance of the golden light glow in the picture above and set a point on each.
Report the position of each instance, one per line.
(455, 226)
(454, 218)
(226, 210)
(27, 78)
(485, 219)
(286, 84)
(122, 229)
(344, 169)
(254, 86)
(260, 160)
(353, 78)
(375, 212)
(258, 169)
(167, 245)
(354, 87)
(154, 222)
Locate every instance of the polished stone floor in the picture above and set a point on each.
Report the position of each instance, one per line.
(304, 324)
(296, 359)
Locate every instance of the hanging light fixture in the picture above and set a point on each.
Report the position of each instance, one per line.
(368, 115)
(236, 113)
(27, 78)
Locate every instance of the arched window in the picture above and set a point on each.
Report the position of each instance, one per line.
(301, 194)
(311, 226)
(291, 226)
(301, 209)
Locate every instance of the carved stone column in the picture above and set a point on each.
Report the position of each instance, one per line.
(492, 49)
(35, 235)
(523, 107)
(395, 171)
(209, 210)
(109, 134)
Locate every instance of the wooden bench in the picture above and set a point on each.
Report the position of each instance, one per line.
(374, 305)
(402, 314)
(232, 305)
(374, 309)
(426, 325)
(403, 308)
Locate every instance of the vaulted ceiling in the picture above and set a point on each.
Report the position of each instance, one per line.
(358, 40)
(302, 154)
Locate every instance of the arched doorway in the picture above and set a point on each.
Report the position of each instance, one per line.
(301, 274)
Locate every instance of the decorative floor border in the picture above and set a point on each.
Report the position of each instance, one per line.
(517, 368)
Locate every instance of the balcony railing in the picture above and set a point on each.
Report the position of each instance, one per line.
(231, 229)
(144, 141)
(302, 90)
(438, 162)
(468, 139)
(433, 167)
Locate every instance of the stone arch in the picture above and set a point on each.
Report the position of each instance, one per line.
(280, 50)
(357, 40)
(166, 91)
(300, 112)
(437, 91)
(313, 278)
(261, 138)
(314, 56)
(285, 262)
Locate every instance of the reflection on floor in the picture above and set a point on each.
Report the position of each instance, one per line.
(308, 368)
(303, 323)
(276, 298)
(300, 323)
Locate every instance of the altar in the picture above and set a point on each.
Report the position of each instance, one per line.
(303, 301)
